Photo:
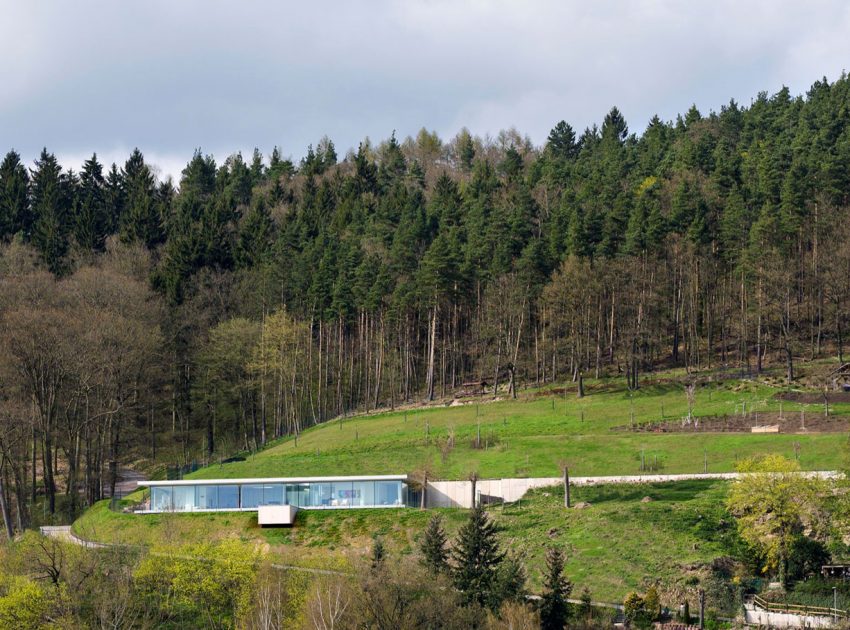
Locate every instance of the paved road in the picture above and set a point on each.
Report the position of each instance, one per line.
(63, 532)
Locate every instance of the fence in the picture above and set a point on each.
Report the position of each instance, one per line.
(798, 609)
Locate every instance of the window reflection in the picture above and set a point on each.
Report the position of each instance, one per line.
(326, 494)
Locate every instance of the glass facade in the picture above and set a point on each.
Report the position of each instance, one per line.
(309, 495)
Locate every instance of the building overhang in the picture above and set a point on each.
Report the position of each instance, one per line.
(264, 480)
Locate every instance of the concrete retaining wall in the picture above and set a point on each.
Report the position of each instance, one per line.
(765, 619)
(459, 493)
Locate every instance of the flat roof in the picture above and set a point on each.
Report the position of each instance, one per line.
(222, 482)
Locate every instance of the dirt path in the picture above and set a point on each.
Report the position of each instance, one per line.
(127, 482)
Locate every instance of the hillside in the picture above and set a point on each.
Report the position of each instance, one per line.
(259, 296)
(612, 547)
(531, 435)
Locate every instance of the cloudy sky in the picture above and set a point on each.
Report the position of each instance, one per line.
(170, 76)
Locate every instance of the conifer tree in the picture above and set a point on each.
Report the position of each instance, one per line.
(14, 197)
(557, 587)
(476, 559)
(140, 218)
(114, 198)
(465, 150)
(256, 235)
(91, 215)
(50, 205)
(435, 555)
(561, 142)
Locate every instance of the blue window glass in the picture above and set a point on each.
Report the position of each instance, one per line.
(206, 497)
(388, 493)
(184, 498)
(252, 495)
(273, 494)
(228, 497)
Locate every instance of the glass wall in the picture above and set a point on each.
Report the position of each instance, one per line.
(160, 499)
(335, 494)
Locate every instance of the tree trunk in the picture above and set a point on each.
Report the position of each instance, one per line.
(4, 507)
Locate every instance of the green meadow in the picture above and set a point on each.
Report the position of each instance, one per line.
(530, 436)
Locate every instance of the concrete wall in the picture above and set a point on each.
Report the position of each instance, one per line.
(459, 493)
(766, 619)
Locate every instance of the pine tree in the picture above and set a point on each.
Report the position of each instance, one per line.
(614, 127)
(256, 235)
(14, 197)
(510, 581)
(114, 198)
(476, 557)
(50, 206)
(557, 587)
(561, 142)
(435, 555)
(257, 168)
(140, 218)
(91, 216)
(465, 150)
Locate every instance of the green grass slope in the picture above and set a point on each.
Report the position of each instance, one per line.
(614, 546)
(529, 436)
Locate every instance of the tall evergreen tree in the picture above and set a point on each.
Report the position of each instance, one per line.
(91, 213)
(14, 197)
(561, 142)
(554, 608)
(435, 555)
(114, 198)
(140, 218)
(50, 206)
(476, 559)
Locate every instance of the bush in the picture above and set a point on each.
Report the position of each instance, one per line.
(206, 584)
(24, 604)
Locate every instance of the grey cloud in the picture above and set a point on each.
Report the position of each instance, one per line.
(225, 76)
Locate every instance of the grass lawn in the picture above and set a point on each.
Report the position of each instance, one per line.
(612, 547)
(529, 436)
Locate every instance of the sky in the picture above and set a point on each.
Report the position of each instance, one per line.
(172, 76)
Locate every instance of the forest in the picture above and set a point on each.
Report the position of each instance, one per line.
(173, 321)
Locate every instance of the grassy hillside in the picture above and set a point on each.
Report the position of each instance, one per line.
(529, 436)
(611, 546)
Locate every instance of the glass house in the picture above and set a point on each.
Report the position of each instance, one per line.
(201, 495)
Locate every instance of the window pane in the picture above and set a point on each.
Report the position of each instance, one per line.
(228, 497)
(343, 494)
(297, 494)
(273, 494)
(184, 498)
(388, 492)
(252, 496)
(206, 497)
(321, 494)
(161, 499)
(363, 493)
